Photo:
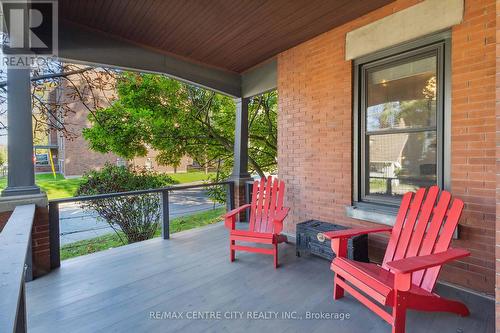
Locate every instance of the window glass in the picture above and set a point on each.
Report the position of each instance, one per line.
(400, 126)
(402, 96)
(401, 162)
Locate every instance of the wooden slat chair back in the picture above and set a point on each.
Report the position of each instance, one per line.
(416, 251)
(423, 227)
(265, 221)
(267, 199)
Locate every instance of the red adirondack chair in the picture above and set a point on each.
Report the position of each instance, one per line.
(266, 220)
(415, 253)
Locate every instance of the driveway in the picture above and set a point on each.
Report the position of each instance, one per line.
(76, 224)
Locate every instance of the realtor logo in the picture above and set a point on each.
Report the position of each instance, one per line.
(29, 29)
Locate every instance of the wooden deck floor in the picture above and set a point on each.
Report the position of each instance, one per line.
(116, 291)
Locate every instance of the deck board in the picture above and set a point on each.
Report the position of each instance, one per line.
(115, 291)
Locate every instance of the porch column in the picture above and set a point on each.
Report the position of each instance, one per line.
(21, 173)
(240, 173)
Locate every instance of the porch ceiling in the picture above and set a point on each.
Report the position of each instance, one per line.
(226, 34)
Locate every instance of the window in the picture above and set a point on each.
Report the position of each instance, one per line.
(42, 159)
(400, 115)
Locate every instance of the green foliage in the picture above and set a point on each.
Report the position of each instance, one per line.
(137, 217)
(178, 119)
(113, 179)
(218, 193)
(3, 157)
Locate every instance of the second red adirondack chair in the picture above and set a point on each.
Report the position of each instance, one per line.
(418, 247)
(266, 220)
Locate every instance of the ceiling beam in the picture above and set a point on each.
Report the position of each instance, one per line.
(260, 79)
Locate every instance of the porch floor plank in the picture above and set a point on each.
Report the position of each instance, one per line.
(115, 291)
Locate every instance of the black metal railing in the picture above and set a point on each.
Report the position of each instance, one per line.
(15, 268)
(54, 230)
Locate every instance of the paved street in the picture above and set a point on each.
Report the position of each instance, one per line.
(76, 224)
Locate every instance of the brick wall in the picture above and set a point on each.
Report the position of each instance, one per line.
(40, 242)
(315, 134)
(75, 154)
(497, 108)
(141, 162)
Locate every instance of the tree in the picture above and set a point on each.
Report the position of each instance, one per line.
(177, 119)
(3, 157)
(87, 85)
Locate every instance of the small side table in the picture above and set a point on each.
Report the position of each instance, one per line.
(307, 241)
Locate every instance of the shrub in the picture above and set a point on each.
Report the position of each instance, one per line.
(137, 216)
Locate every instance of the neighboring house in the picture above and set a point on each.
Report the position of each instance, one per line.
(73, 157)
(386, 154)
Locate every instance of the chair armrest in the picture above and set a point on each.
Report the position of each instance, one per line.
(413, 264)
(348, 233)
(279, 218)
(236, 211)
(339, 238)
(230, 217)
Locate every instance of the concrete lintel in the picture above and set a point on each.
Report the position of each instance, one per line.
(424, 18)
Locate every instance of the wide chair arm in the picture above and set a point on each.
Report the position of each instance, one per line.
(404, 268)
(279, 218)
(349, 233)
(413, 264)
(230, 217)
(339, 238)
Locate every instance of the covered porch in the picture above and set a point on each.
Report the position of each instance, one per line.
(158, 286)
(315, 54)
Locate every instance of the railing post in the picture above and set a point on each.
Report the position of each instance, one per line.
(55, 257)
(165, 226)
(388, 182)
(230, 196)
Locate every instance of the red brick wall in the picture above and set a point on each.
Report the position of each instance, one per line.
(40, 242)
(75, 154)
(497, 107)
(141, 162)
(4, 217)
(315, 134)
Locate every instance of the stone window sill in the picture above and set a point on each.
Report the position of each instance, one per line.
(373, 213)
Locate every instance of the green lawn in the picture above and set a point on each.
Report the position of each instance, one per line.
(189, 177)
(112, 240)
(61, 187)
(56, 188)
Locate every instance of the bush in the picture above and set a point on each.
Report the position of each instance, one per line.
(137, 216)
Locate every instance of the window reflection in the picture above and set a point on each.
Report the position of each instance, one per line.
(401, 127)
(402, 96)
(401, 162)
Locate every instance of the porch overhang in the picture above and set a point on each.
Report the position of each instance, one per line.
(228, 47)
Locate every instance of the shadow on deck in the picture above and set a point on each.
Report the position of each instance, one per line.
(117, 290)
